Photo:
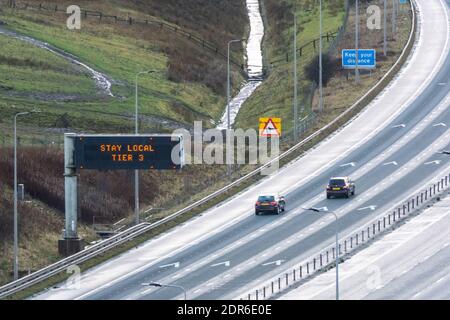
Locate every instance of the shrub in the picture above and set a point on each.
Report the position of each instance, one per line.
(329, 68)
(106, 195)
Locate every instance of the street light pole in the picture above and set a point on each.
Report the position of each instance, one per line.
(136, 172)
(356, 41)
(385, 29)
(228, 104)
(159, 285)
(320, 60)
(394, 18)
(295, 79)
(336, 245)
(16, 231)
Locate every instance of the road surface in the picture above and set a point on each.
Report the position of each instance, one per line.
(412, 262)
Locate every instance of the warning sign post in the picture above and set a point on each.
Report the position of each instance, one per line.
(270, 127)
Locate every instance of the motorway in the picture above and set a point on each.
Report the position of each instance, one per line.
(414, 264)
(389, 149)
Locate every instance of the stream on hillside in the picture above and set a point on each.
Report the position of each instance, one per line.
(254, 57)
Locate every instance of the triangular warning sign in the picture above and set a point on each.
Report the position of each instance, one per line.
(270, 129)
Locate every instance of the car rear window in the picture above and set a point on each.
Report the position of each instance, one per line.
(337, 182)
(266, 198)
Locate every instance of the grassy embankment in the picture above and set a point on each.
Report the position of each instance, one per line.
(275, 96)
(189, 84)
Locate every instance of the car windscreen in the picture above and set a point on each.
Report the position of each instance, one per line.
(266, 198)
(337, 182)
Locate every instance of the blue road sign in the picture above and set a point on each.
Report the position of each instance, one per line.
(403, 1)
(367, 58)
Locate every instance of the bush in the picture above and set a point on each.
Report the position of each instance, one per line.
(31, 218)
(329, 68)
(280, 17)
(198, 68)
(108, 196)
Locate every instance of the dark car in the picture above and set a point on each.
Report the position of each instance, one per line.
(340, 186)
(270, 203)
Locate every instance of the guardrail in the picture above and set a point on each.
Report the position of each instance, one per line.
(138, 230)
(347, 246)
(51, 270)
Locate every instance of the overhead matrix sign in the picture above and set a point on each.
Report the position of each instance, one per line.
(127, 152)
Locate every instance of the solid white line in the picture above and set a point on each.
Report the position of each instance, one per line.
(146, 291)
(175, 265)
(351, 164)
(225, 263)
(436, 162)
(440, 280)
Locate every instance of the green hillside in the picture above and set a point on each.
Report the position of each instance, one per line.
(189, 82)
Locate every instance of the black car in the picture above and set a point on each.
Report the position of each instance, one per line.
(340, 186)
(270, 203)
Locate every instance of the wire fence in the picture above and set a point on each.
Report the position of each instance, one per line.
(308, 121)
(127, 21)
(329, 36)
(313, 44)
(37, 139)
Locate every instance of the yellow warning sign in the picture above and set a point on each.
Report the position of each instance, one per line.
(270, 127)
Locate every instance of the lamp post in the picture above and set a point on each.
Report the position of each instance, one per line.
(385, 29)
(356, 41)
(295, 80)
(136, 172)
(16, 235)
(228, 103)
(337, 245)
(320, 59)
(160, 285)
(394, 17)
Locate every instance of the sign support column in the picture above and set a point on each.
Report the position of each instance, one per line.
(357, 41)
(71, 243)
